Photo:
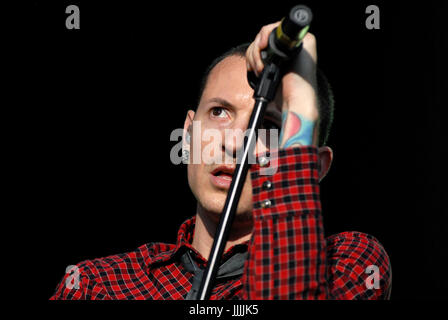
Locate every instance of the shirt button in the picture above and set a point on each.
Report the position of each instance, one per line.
(263, 161)
(267, 185)
(266, 203)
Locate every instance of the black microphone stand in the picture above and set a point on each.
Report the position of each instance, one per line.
(265, 88)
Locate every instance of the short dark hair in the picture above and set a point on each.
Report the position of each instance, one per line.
(325, 93)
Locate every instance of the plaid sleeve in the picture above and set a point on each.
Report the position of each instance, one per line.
(359, 267)
(79, 283)
(288, 250)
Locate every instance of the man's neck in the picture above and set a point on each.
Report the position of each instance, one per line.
(204, 232)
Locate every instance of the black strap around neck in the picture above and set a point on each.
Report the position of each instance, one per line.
(234, 266)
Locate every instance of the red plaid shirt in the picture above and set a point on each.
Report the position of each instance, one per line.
(288, 255)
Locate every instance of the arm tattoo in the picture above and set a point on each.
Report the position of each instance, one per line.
(296, 130)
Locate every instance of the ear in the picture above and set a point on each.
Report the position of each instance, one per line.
(188, 128)
(325, 158)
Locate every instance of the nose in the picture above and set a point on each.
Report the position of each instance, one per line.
(234, 139)
(233, 142)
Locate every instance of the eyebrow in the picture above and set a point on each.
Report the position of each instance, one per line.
(222, 102)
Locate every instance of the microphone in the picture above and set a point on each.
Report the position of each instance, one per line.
(285, 41)
(293, 28)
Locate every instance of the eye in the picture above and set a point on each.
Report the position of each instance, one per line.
(219, 112)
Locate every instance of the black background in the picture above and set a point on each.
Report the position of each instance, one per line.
(97, 106)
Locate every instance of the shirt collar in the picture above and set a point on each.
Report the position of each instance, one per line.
(164, 253)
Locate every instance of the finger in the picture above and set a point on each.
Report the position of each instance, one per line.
(257, 62)
(265, 32)
(261, 43)
(249, 61)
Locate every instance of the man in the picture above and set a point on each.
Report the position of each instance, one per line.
(277, 248)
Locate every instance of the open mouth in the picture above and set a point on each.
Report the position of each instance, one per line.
(222, 176)
(224, 171)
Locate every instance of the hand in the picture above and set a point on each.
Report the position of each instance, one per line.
(296, 96)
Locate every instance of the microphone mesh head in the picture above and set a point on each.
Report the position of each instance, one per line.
(299, 17)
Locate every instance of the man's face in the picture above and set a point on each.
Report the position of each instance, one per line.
(226, 103)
